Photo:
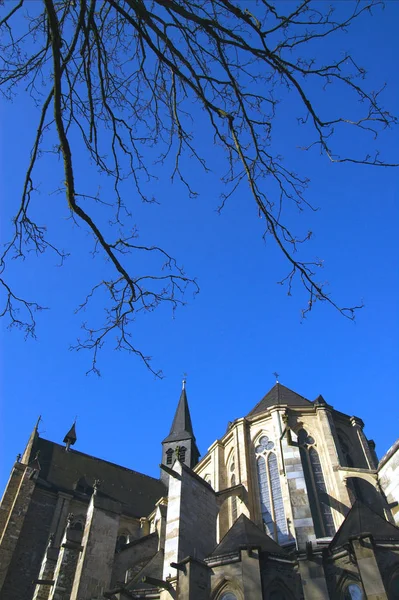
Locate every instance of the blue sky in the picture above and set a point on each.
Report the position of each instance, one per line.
(242, 326)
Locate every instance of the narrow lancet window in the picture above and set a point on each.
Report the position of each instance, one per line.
(317, 491)
(234, 510)
(271, 497)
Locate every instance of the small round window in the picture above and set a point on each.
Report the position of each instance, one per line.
(353, 592)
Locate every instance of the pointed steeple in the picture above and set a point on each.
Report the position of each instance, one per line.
(30, 450)
(70, 438)
(182, 428)
(180, 443)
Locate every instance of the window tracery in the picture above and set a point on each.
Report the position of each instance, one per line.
(316, 487)
(271, 498)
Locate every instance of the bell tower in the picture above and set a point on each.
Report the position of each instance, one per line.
(180, 443)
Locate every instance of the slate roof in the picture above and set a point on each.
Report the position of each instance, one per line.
(279, 394)
(182, 428)
(62, 470)
(362, 519)
(245, 533)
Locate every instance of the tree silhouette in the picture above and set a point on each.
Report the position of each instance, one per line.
(118, 78)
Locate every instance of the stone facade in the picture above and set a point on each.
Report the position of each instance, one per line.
(290, 503)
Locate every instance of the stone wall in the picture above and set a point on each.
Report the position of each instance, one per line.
(191, 518)
(30, 548)
(388, 478)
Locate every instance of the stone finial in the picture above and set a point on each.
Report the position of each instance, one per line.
(19, 456)
(50, 540)
(70, 519)
(96, 485)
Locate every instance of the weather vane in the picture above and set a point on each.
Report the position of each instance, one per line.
(184, 381)
(276, 375)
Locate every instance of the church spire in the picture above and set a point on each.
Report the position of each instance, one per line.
(180, 443)
(29, 452)
(182, 428)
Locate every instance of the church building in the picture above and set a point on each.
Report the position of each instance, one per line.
(290, 503)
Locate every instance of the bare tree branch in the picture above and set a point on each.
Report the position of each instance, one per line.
(121, 76)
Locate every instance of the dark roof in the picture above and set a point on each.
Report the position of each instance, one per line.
(245, 533)
(182, 428)
(31, 449)
(362, 519)
(71, 436)
(138, 493)
(279, 394)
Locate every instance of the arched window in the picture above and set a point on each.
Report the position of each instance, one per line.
(181, 453)
(122, 540)
(316, 487)
(234, 511)
(353, 591)
(169, 456)
(271, 498)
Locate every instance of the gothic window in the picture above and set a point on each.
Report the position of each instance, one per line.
(316, 487)
(181, 453)
(121, 541)
(353, 591)
(169, 456)
(271, 498)
(234, 511)
(277, 496)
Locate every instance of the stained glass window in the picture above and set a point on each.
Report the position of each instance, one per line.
(228, 596)
(316, 487)
(321, 492)
(277, 497)
(353, 592)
